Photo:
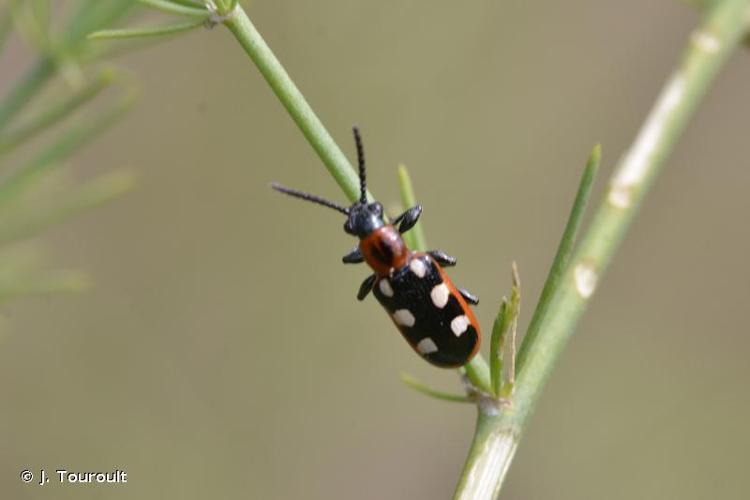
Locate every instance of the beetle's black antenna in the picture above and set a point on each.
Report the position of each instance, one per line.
(361, 161)
(310, 197)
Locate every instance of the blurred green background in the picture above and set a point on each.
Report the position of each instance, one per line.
(222, 353)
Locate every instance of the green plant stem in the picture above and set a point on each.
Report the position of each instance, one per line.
(294, 102)
(190, 3)
(415, 236)
(175, 8)
(6, 23)
(563, 255)
(497, 433)
(503, 328)
(147, 31)
(76, 137)
(497, 347)
(55, 113)
(87, 18)
(433, 393)
(25, 90)
(32, 217)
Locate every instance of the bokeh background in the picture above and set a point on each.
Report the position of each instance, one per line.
(222, 353)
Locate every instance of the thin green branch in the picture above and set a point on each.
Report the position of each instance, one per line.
(503, 328)
(433, 393)
(6, 23)
(43, 283)
(563, 255)
(497, 347)
(147, 31)
(24, 220)
(175, 8)
(89, 17)
(478, 372)
(61, 149)
(190, 3)
(415, 236)
(25, 90)
(37, 25)
(514, 310)
(55, 113)
(294, 102)
(27, 23)
(21, 275)
(498, 433)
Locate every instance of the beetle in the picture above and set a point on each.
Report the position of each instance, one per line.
(431, 313)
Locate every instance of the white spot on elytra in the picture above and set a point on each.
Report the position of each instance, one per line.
(404, 317)
(705, 41)
(385, 288)
(638, 159)
(585, 278)
(426, 346)
(459, 325)
(418, 267)
(440, 295)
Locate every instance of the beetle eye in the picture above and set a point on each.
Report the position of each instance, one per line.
(378, 208)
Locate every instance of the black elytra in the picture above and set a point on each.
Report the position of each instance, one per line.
(430, 312)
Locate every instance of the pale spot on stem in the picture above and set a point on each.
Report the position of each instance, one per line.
(585, 278)
(640, 157)
(621, 196)
(705, 41)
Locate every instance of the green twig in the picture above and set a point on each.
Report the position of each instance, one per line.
(41, 283)
(478, 372)
(497, 347)
(175, 8)
(497, 433)
(190, 3)
(55, 113)
(511, 331)
(58, 151)
(563, 255)
(505, 323)
(21, 276)
(434, 393)
(89, 17)
(147, 31)
(28, 219)
(6, 23)
(25, 90)
(415, 236)
(294, 102)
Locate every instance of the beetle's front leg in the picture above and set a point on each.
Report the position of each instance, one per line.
(407, 219)
(353, 257)
(366, 287)
(442, 258)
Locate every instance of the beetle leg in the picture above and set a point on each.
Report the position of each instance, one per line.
(442, 258)
(365, 287)
(353, 257)
(468, 297)
(407, 219)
